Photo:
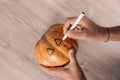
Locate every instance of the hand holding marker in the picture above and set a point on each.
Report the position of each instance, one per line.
(75, 24)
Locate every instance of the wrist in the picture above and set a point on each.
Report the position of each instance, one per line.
(104, 34)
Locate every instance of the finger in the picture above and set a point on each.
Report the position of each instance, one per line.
(72, 56)
(78, 27)
(73, 61)
(66, 27)
(68, 23)
(71, 20)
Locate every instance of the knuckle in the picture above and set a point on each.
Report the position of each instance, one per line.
(68, 18)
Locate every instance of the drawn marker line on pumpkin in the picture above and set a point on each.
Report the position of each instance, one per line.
(50, 51)
(58, 41)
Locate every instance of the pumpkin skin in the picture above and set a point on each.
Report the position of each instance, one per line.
(50, 50)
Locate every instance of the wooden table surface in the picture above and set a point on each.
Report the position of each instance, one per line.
(23, 22)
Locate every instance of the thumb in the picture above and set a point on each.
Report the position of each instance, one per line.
(73, 61)
(72, 56)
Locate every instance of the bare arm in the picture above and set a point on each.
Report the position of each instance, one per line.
(90, 31)
(115, 33)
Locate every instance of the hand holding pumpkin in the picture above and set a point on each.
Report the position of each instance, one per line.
(72, 71)
(85, 30)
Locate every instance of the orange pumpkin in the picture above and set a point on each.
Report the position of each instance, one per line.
(50, 50)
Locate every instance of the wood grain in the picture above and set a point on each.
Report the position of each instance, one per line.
(23, 22)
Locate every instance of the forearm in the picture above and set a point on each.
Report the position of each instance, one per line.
(114, 33)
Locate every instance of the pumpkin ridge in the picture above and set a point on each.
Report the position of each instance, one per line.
(50, 39)
(63, 42)
(57, 48)
(59, 26)
(50, 51)
(45, 39)
(48, 62)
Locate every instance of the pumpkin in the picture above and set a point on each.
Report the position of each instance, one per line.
(50, 50)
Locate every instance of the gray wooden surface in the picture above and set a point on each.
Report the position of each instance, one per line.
(22, 23)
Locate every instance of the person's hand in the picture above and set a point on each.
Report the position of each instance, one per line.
(85, 30)
(72, 71)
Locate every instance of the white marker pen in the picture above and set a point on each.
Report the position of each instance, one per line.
(75, 24)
